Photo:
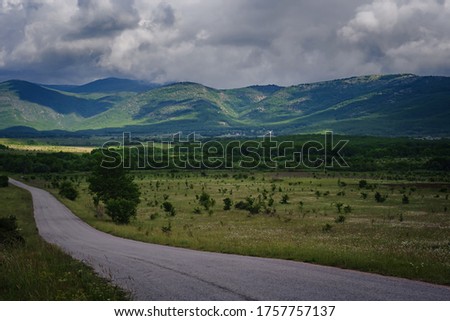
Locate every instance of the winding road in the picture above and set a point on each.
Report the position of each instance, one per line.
(155, 272)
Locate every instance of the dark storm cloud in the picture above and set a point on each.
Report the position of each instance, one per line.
(94, 20)
(164, 15)
(222, 43)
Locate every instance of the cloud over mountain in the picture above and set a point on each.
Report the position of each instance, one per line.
(221, 43)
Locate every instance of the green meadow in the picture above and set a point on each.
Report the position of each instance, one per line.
(356, 221)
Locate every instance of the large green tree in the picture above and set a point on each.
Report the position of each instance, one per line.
(117, 189)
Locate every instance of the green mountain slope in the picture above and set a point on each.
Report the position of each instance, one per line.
(376, 105)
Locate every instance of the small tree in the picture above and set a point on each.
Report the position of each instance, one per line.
(227, 203)
(405, 199)
(362, 183)
(339, 206)
(206, 200)
(380, 198)
(169, 208)
(67, 190)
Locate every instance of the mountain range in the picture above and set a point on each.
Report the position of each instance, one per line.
(382, 105)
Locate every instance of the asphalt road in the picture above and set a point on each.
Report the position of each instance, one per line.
(155, 272)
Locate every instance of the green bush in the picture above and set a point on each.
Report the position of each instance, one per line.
(405, 199)
(206, 201)
(169, 208)
(227, 203)
(3, 181)
(67, 190)
(285, 199)
(250, 204)
(380, 198)
(121, 210)
(9, 232)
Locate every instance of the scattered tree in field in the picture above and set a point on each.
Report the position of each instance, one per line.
(250, 204)
(166, 229)
(405, 199)
(206, 200)
(107, 184)
(380, 198)
(362, 183)
(227, 203)
(67, 190)
(169, 208)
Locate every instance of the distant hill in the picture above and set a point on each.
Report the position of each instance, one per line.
(58, 102)
(390, 105)
(107, 85)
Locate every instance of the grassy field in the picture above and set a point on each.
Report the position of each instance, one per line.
(40, 271)
(33, 145)
(326, 219)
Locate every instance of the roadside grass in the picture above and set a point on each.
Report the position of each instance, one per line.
(409, 240)
(40, 271)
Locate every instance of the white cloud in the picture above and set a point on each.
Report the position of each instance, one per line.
(221, 43)
(402, 36)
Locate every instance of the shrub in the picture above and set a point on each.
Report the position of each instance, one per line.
(206, 201)
(340, 219)
(380, 198)
(67, 190)
(9, 232)
(250, 205)
(241, 205)
(327, 228)
(169, 208)
(362, 183)
(3, 181)
(166, 229)
(227, 203)
(121, 210)
(405, 199)
(284, 199)
(255, 208)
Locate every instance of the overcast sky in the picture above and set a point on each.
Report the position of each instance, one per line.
(221, 43)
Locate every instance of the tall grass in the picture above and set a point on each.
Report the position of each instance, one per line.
(40, 271)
